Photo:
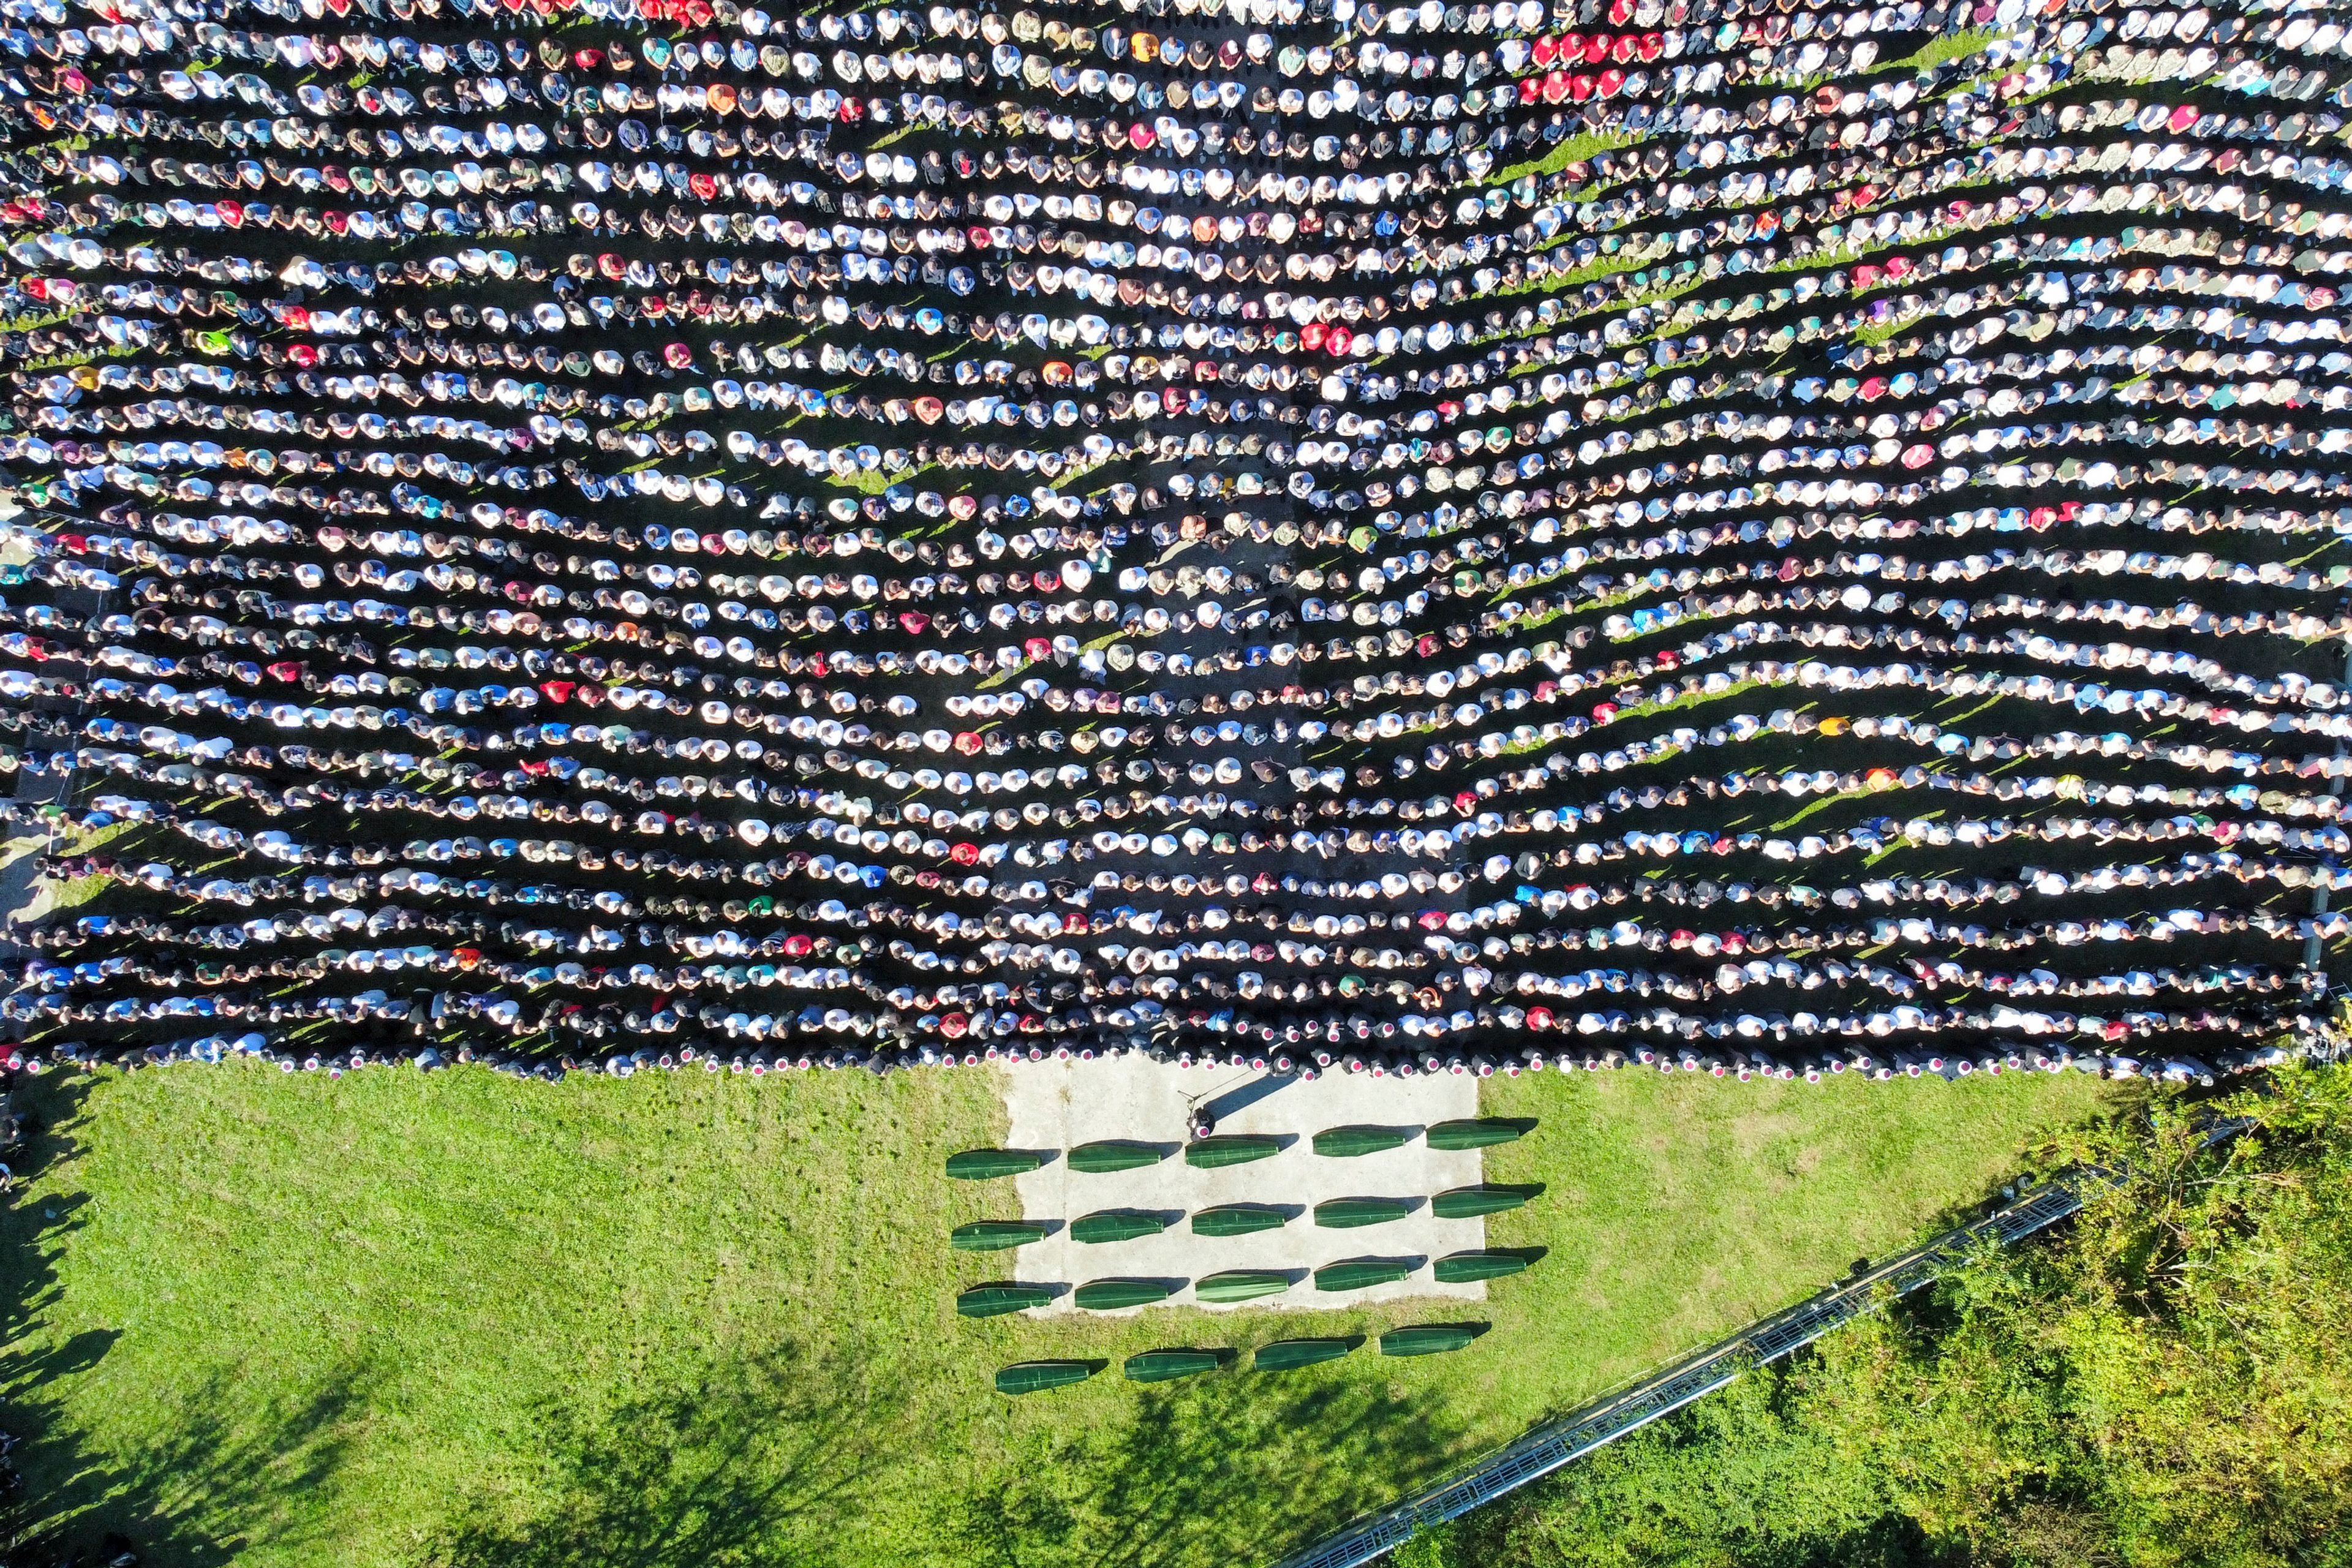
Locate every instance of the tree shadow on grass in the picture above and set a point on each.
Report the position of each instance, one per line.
(743, 1460)
(224, 1474)
(1746, 1476)
(736, 1459)
(1240, 1468)
(223, 1478)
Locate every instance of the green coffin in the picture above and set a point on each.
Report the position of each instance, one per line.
(1360, 1273)
(1113, 1154)
(1462, 1268)
(1238, 1219)
(1112, 1295)
(985, 1164)
(993, 1301)
(1240, 1285)
(1427, 1338)
(1116, 1225)
(1474, 1134)
(1349, 1143)
(1283, 1355)
(996, 1235)
(1032, 1376)
(1160, 1366)
(1345, 1214)
(1468, 1203)
(1233, 1149)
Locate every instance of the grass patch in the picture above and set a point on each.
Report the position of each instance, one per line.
(1877, 332)
(1687, 699)
(1591, 271)
(1947, 47)
(452, 1320)
(865, 481)
(1571, 149)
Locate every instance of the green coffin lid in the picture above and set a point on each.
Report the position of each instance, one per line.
(1240, 1285)
(1283, 1355)
(991, 1301)
(1111, 1295)
(1116, 1225)
(1345, 1213)
(1462, 1268)
(1238, 1219)
(1348, 1142)
(1160, 1366)
(982, 1164)
(1427, 1338)
(1234, 1149)
(1466, 1203)
(1031, 1376)
(1474, 1134)
(1360, 1273)
(996, 1235)
(1113, 1154)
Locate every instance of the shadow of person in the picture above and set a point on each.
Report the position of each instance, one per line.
(74, 1356)
(1247, 1094)
(249, 1472)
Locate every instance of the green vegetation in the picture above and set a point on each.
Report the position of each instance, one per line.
(1877, 332)
(1571, 150)
(2167, 1383)
(1949, 47)
(446, 1320)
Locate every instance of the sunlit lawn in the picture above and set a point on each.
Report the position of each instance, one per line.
(454, 1319)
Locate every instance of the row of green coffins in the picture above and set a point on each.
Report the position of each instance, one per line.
(1237, 1285)
(1231, 1149)
(1236, 1219)
(1283, 1355)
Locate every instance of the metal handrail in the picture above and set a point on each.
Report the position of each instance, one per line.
(1602, 1421)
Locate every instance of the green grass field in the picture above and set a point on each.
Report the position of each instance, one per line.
(454, 1320)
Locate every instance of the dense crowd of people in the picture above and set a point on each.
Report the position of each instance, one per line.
(1330, 535)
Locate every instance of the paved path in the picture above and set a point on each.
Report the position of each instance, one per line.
(1057, 1105)
(24, 896)
(18, 858)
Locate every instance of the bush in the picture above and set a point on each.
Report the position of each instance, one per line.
(2165, 1384)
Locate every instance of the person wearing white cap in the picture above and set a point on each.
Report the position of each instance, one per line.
(871, 489)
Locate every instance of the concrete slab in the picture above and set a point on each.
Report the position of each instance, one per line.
(1059, 1105)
